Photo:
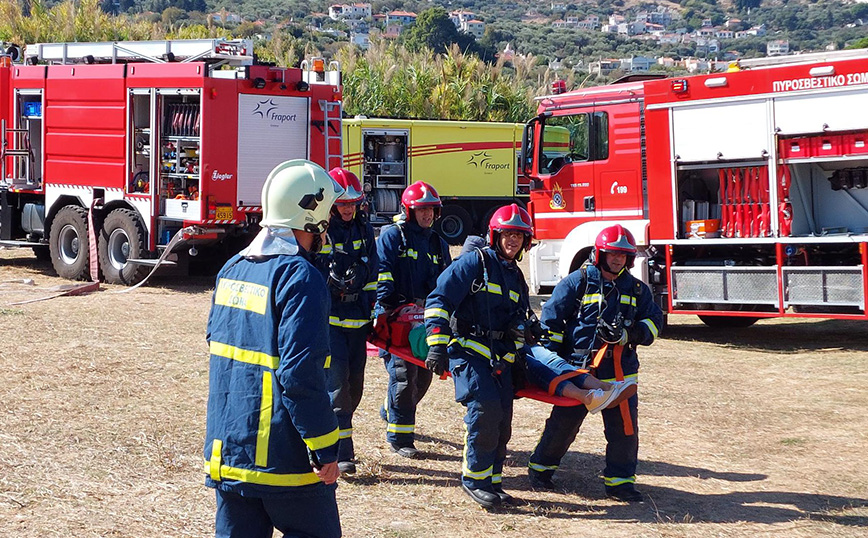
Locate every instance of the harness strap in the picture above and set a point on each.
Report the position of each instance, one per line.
(624, 406)
(553, 385)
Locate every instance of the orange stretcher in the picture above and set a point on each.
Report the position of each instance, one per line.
(531, 392)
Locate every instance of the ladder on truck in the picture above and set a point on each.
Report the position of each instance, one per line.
(23, 157)
(332, 112)
(220, 51)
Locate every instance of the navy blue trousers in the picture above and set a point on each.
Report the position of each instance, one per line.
(311, 512)
(408, 383)
(346, 379)
(488, 418)
(562, 427)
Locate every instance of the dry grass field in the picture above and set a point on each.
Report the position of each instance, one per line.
(755, 432)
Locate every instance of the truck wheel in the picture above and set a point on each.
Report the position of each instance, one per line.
(122, 237)
(67, 243)
(728, 322)
(454, 224)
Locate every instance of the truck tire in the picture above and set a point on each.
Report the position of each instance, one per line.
(454, 224)
(122, 237)
(728, 322)
(67, 242)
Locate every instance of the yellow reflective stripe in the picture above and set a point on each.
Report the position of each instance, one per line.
(592, 298)
(212, 467)
(496, 478)
(556, 337)
(262, 478)
(241, 295)
(264, 432)
(514, 296)
(328, 362)
(346, 434)
(339, 247)
(631, 376)
(411, 254)
(541, 468)
(437, 339)
(357, 244)
(383, 277)
(616, 481)
(509, 357)
(475, 346)
(436, 313)
(627, 299)
(401, 428)
(323, 441)
(494, 288)
(370, 286)
(651, 327)
(465, 470)
(244, 355)
(434, 258)
(348, 323)
(326, 249)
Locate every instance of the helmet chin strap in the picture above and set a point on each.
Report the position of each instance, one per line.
(316, 244)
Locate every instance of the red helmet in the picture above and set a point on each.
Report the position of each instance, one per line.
(510, 218)
(418, 195)
(350, 183)
(615, 239)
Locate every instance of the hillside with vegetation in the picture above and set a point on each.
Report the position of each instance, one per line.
(431, 69)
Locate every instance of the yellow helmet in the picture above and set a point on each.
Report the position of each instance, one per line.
(299, 194)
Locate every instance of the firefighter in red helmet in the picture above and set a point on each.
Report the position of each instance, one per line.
(411, 257)
(599, 313)
(349, 263)
(476, 320)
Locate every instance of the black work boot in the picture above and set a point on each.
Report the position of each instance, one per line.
(347, 467)
(625, 493)
(540, 480)
(405, 451)
(486, 499)
(505, 498)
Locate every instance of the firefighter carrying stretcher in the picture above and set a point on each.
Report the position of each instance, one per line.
(599, 312)
(349, 263)
(478, 321)
(411, 257)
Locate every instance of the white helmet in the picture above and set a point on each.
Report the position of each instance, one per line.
(299, 194)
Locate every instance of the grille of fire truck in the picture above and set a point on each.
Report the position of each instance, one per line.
(725, 285)
(235, 52)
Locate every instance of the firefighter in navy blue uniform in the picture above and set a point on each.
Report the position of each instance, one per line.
(599, 306)
(271, 435)
(411, 257)
(349, 263)
(486, 293)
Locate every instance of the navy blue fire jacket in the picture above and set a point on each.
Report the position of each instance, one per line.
(411, 259)
(579, 300)
(351, 257)
(484, 297)
(269, 412)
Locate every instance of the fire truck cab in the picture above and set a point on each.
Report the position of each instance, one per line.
(140, 151)
(746, 189)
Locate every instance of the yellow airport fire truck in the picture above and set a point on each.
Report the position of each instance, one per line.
(473, 166)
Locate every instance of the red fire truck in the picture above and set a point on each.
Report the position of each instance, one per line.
(747, 189)
(129, 152)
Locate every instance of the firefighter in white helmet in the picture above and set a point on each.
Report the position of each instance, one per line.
(271, 436)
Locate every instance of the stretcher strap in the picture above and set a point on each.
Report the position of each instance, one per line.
(625, 407)
(553, 386)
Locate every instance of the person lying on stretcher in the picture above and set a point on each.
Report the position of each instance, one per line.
(479, 327)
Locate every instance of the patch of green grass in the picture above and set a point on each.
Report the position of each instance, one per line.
(10, 312)
(793, 441)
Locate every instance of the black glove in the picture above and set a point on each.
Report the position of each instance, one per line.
(437, 360)
(613, 333)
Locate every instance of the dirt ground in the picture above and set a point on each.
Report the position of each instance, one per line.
(755, 432)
